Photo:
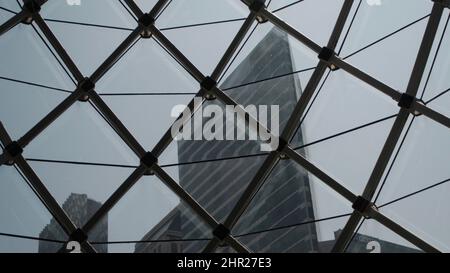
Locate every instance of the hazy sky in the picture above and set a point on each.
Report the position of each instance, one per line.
(344, 102)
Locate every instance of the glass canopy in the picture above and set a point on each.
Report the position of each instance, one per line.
(89, 160)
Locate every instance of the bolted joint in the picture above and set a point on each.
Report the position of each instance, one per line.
(31, 7)
(257, 5)
(148, 160)
(362, 205)
(208, 84)
(13, 150)
(78, 235)
(261, 19)
(146, 20)
(221, 232)
(325, 55)
(406, 101)
(85, 86)
(282, 144)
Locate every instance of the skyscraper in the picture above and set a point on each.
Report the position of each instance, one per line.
(79, 208)
(285, 199)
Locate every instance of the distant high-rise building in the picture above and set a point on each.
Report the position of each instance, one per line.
(286, 197)
(367, 244)
(79, 208)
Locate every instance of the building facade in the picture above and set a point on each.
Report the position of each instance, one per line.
(285, 198)
(79, 208)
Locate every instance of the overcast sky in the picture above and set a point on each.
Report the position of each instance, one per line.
(344, 102)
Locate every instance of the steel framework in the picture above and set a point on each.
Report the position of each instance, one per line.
(362, 205)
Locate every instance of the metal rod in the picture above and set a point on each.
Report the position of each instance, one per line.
(13, 21)
(157, 8)
(290, 127)
(167, 138)
(58, 47)
(310, 167)
(114, 198)
(49, 118)
(233, 46)
(430, 113)
(292, 31)
(134, 8)
(177, 54)
(413, 86)
(115, 122)
(394, 94)
(109, 62)
(340, 23)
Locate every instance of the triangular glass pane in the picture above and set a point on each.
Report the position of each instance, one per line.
(340, 156)
(180, 13)
(29, 59)
(273, 53)
(22, 213)
(437, 81)
(147, 117)
(80, 134)
(347, 121)
(88, 46)
(82, 11)
(378, 18)
(314, 19)
(297, 238)
(396, 53)
(373, 237)
(290, 197)
(425, 214)
(154, 71)
(150, 211)
(441, 104)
